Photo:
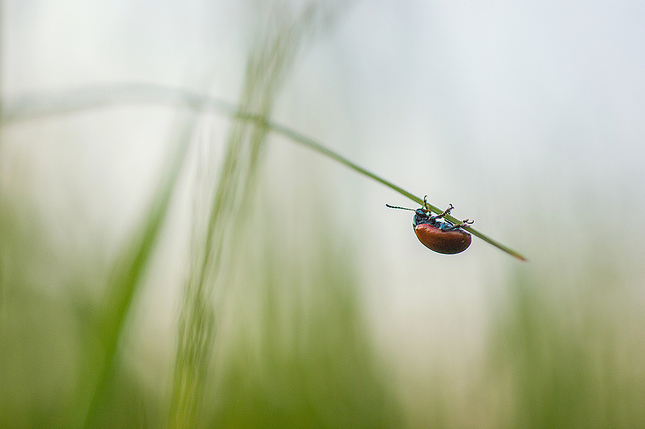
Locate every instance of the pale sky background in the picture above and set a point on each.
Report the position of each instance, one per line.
(529, 117)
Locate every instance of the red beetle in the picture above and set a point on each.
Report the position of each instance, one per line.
(437, 233)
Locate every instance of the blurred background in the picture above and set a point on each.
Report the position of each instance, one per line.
(164, 264)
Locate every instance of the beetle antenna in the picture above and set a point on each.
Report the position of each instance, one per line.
(400, 208)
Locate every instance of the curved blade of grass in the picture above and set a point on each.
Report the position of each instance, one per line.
(81, 99)
(299, 138)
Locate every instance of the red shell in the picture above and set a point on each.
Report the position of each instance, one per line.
(447, 242)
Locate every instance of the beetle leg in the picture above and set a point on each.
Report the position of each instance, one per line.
(461, 224)
(445, 212)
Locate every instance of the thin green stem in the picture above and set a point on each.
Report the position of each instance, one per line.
(312, 144)
(29, 107)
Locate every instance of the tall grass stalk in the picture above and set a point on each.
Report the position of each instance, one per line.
(267, 67)
(127, 276)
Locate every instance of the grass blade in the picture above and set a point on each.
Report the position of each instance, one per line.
(127, 274)
(82, 99)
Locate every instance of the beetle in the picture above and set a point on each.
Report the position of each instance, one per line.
(438, 233)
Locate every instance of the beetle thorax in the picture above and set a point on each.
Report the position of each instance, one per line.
(422, 217)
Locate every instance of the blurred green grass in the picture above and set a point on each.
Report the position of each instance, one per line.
(293, 349)
(301, 382)
(570, 359)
